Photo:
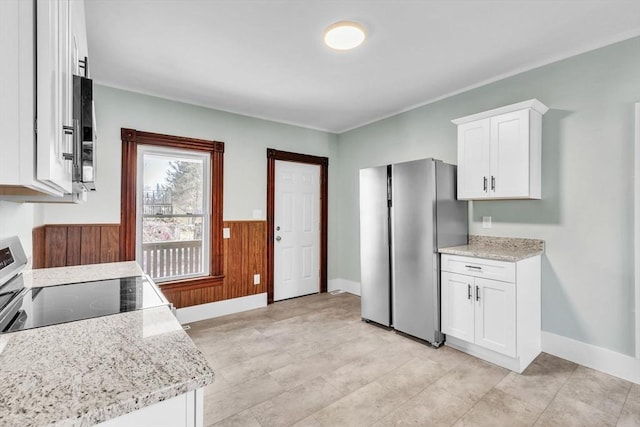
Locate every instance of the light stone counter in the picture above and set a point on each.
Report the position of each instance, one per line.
(80, 273)
(498, 248)
(85, 372)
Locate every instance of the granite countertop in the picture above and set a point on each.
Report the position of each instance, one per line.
(498, 248)
(80, 273)
(85, 372)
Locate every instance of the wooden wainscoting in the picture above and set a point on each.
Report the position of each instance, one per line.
(60, 245)
(244, 254)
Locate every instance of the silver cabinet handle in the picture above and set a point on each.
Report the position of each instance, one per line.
(475, 267)
(477, 293)
(484, 184)
(68, 130)
(493, 183)
(468, 291)
(278, 238)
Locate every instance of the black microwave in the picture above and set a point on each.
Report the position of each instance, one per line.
(84, 150)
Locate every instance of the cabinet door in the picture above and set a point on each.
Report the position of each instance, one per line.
(473, 159)
(457, 306)
(55, 94)
(510, 155)
(495, 316)
(77, 37)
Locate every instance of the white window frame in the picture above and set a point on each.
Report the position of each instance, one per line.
(206, 204)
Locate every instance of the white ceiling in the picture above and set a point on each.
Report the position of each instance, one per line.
(266, 59)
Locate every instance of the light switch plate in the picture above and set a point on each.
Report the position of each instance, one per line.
(486, 222)
(226, 233)
(256, 279)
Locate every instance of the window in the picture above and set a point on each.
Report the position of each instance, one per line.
(171, 208)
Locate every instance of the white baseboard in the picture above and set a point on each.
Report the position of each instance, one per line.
(220, 308)
(344, 285)
(598, 358)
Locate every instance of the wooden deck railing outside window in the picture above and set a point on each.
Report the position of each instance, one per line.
(172, 258)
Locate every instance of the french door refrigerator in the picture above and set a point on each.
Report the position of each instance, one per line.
(407, 211)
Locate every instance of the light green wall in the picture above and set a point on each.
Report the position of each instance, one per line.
(17, 219)
(245, 159)
(585, 215)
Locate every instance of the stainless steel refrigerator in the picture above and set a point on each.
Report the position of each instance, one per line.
(407, 211)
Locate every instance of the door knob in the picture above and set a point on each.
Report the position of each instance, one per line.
(278, 238)
(278, 228)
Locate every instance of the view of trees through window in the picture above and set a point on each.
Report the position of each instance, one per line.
(173, 214)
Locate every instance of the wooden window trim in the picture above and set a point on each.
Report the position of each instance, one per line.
(272, 156)
(131, 138)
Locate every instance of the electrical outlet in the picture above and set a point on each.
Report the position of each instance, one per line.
(486, 222)
(226, 233)
(256, 279)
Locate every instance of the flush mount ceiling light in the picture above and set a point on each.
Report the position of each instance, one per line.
(344, 35)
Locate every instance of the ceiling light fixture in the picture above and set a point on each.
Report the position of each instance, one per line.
(344, 35)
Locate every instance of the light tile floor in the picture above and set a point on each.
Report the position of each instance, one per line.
(311, 361)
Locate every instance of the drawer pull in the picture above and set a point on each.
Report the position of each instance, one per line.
(477, 293)
(475, 267)
(468, 291)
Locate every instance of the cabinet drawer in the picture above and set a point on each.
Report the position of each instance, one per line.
(479, 267)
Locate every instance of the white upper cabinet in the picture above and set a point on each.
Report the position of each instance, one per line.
(55, 94)
(37, 138)
(499, 153)
(474, 153)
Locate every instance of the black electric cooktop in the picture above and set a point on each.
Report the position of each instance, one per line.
(35, 307)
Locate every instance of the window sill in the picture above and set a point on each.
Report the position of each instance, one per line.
(192, 283)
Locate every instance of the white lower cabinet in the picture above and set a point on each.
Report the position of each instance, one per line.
(496, 320)
(480, 311)
(185, 410)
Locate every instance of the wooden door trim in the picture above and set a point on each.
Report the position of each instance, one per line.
(323, 162)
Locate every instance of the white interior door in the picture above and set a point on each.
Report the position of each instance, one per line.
(297, 230)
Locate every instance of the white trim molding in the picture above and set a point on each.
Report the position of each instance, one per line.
(532, 104)
(344, 285)
(591, 356)
(636, 223)
(220, 308)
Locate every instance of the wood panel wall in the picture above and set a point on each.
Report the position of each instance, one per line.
(62, 245)
(244, 254)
